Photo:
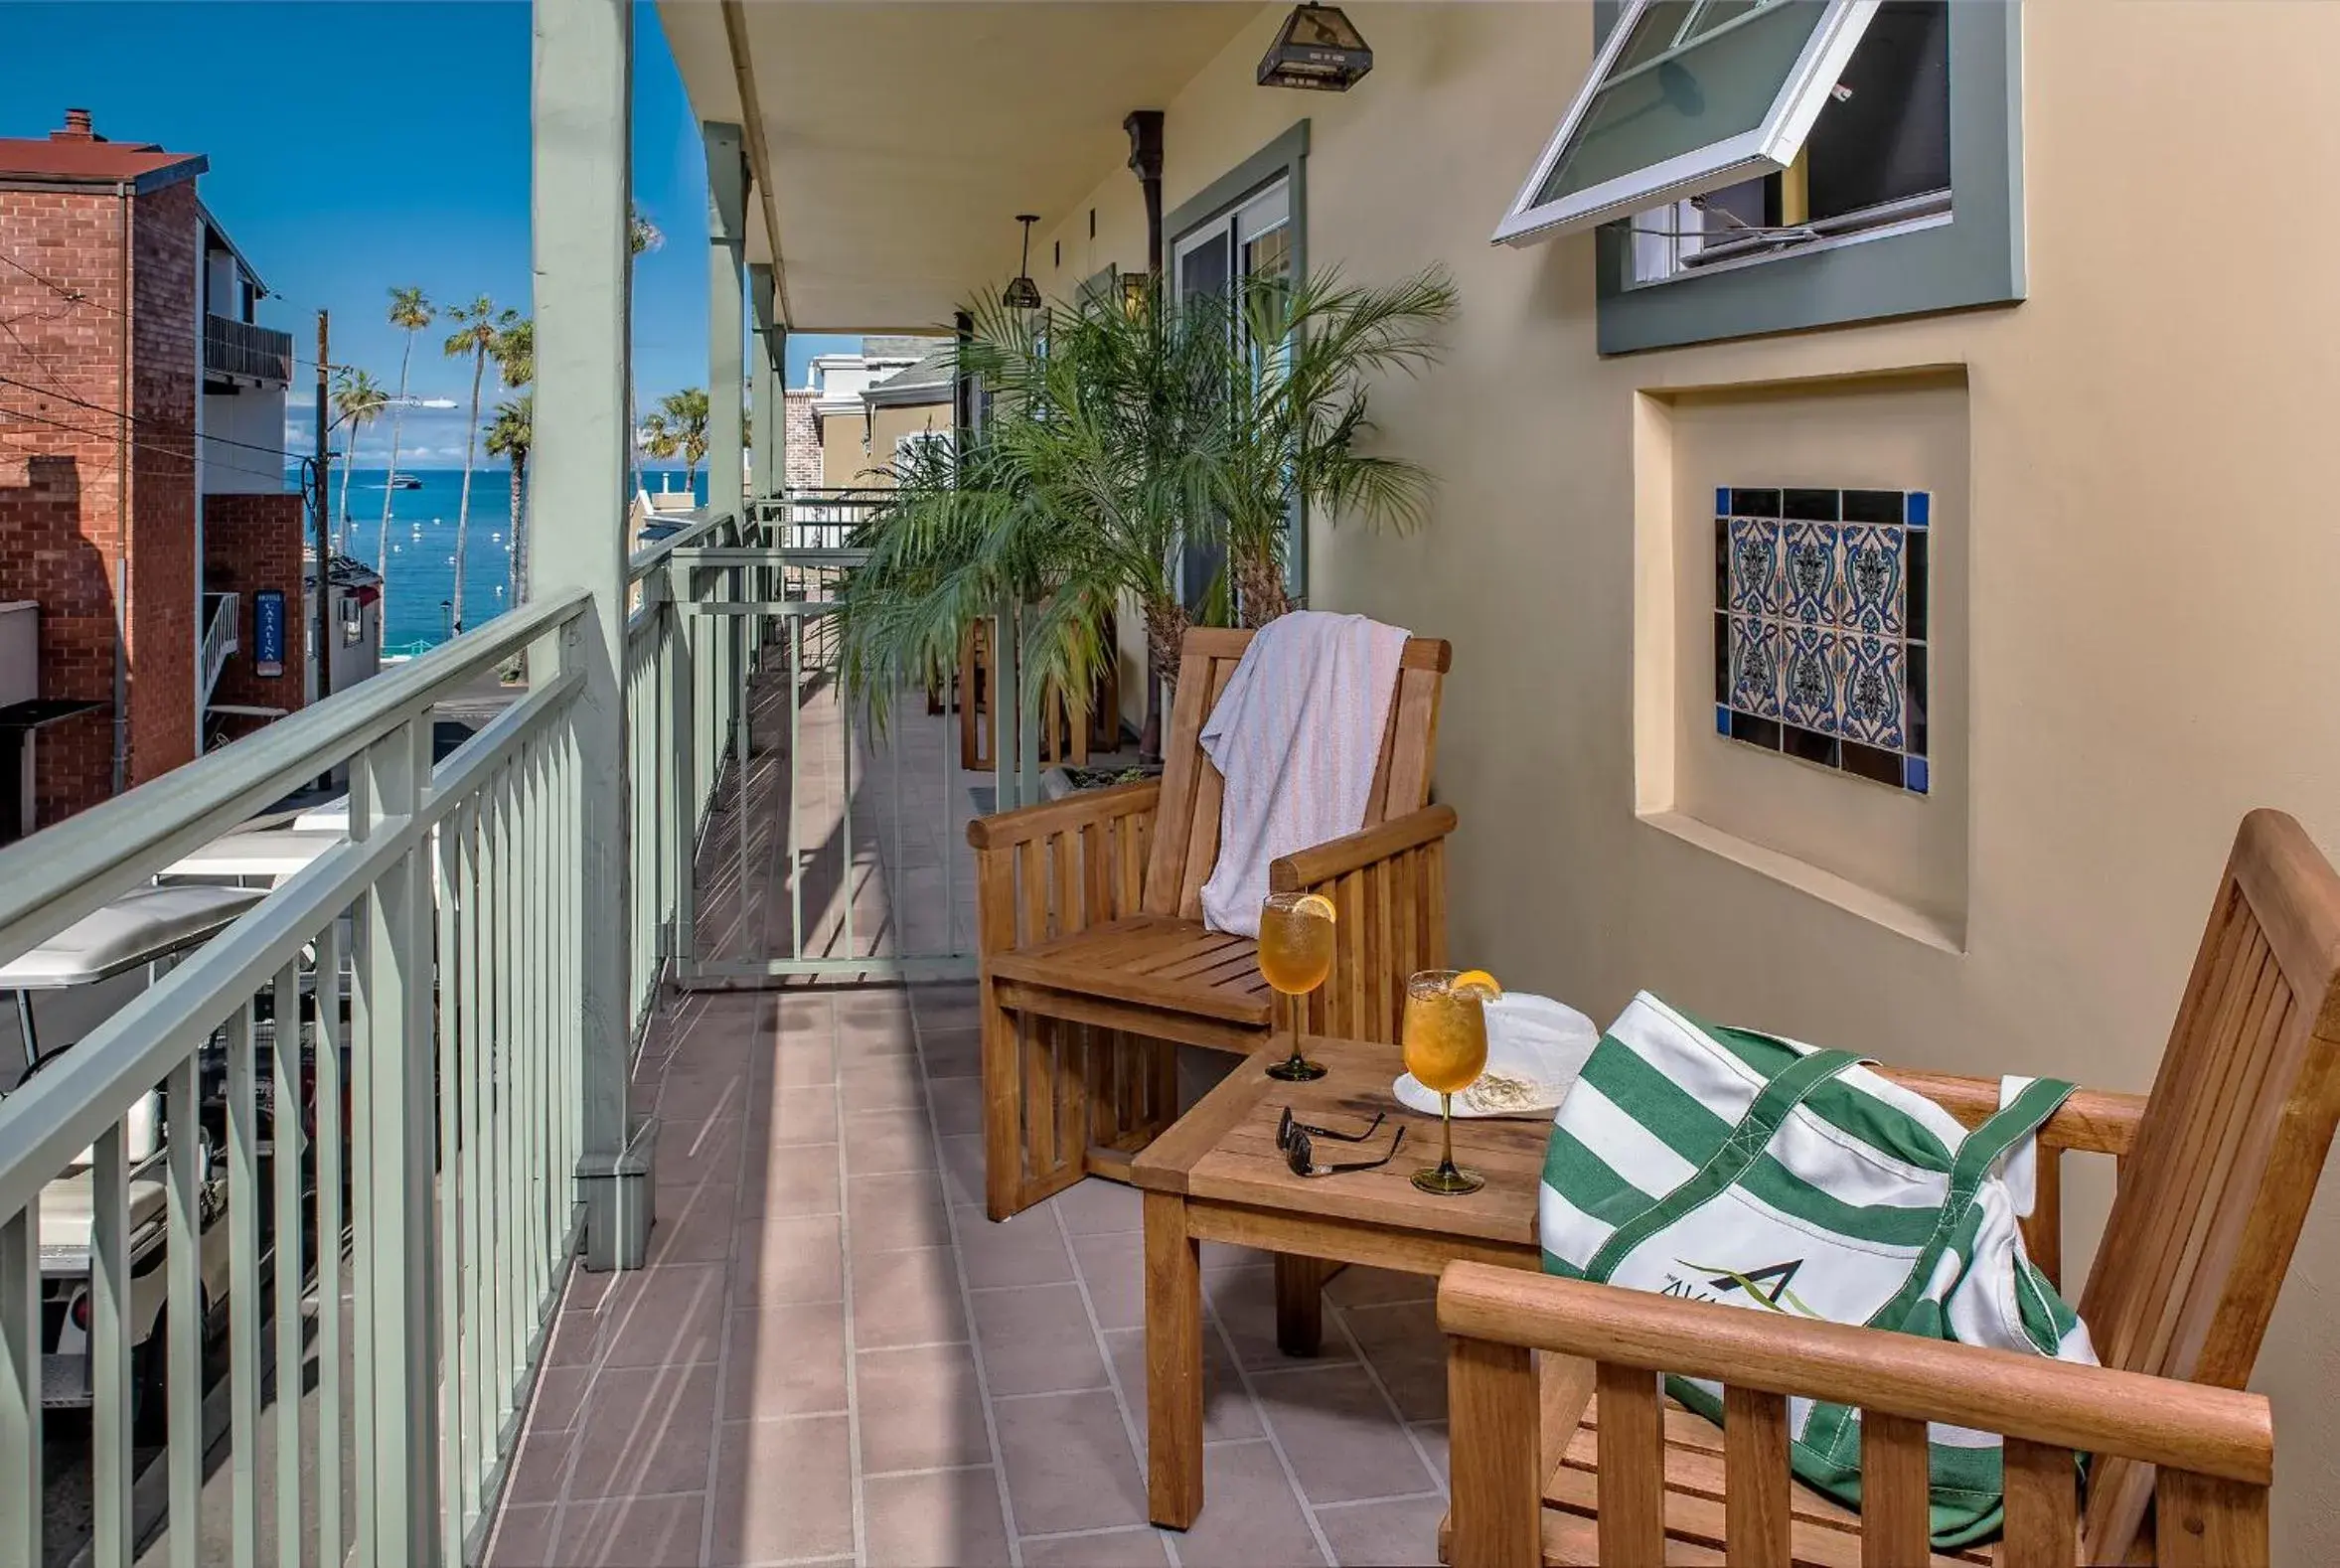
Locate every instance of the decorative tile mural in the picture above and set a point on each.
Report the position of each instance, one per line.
(1820, 627)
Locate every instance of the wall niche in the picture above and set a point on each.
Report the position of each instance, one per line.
(1800, 635)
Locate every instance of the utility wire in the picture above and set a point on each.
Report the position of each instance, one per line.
(164, 426)
(61, 290)
(136, 446)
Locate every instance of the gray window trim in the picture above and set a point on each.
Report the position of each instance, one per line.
(1285, 159)
(1976, 258)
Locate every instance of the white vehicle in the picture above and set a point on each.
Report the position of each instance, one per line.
(148, 929)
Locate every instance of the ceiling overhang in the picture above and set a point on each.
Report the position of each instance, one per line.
(893, 144)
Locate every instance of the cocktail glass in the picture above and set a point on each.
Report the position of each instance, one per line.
(1294, 957)
(1445, 1038)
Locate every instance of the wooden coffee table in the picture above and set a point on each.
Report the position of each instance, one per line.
(1217, 1176)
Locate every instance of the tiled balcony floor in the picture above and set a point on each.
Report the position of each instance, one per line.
(834, 1358)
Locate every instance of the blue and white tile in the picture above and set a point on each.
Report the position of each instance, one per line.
(1873, 687)
(1872, 580)
(1808, 677)
(1755, 567)
(1755, 665)
(1808, 567)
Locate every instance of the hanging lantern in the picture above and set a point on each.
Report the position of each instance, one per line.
(1319, 47)
(1024, 293)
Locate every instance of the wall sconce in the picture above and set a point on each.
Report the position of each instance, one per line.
(1316, 48)
(1135, 287)
(1024, 293)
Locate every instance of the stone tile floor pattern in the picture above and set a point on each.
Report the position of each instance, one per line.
(833, 1357)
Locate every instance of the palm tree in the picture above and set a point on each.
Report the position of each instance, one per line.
(679, 424)
(510, 435)
(357, 401)
(479, 326)
(410, 312)
(658, 438)
(641, 236)
(1098, 462)
(1297, 364)
(514, 353)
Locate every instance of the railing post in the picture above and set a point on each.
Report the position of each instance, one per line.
(582, 120)
(397, 1353)
(726, 283)
(20, 1389)
(769, 453)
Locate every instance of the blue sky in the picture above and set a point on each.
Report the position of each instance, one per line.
(360, 144)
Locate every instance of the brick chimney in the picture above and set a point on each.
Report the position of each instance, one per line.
(77, 127)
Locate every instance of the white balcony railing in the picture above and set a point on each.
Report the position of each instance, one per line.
(220, 642)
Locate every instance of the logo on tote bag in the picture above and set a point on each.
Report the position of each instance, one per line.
(1777, 1297)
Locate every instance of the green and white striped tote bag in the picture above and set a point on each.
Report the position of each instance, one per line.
(1727, 1165)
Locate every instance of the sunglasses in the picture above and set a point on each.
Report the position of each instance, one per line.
(1290, 1127)
(1301, 1154)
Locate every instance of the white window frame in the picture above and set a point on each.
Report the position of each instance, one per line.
(1769, 148)
(910, 440)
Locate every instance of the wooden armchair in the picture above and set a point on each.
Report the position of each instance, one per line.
(1095, 963)
(2216, 1170)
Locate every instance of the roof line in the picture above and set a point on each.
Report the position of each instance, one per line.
(759, 160)
(212, 221)
(187, 168)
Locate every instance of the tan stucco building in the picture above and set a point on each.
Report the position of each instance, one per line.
(865, 406)
(2102, 359)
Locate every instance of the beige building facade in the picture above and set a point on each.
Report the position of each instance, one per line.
(864, 407)
(2128, 639)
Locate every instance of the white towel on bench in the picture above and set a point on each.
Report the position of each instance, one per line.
(1297, 735)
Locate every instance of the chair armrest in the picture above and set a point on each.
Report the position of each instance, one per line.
(1311, 867)
(2092, 1121)
(1006, 829)
(2214, 1432)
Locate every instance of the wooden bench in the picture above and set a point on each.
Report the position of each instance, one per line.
(2214, 1173)
(1095, 962)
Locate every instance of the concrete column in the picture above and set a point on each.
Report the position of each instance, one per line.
(726, 283)
(583, 111)
(771, 468)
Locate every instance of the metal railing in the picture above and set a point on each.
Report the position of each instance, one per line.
(814, 519)
(681, 693)
(442, 1202)
(452, 1177)
(856, 806)
(219, 640)
(239, 348)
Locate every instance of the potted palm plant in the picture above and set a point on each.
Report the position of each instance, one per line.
(1096, 461)
(1300, 360)
(1121, 430)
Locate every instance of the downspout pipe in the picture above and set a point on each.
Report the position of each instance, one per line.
(123, 192)
(1144, 129)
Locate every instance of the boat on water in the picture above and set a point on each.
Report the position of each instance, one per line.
(405, 482)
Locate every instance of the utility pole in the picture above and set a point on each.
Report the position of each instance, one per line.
(321, 650)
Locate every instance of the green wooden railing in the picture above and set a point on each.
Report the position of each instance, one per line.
(440, 952)
(440, 946)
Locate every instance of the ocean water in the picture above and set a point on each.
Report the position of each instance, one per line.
(420, 576)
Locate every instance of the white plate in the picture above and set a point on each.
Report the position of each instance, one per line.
(1414, 1097)
(1528, 1037)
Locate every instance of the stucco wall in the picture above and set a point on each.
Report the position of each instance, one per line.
(2149, 645)
(888, 423)
(844, 454)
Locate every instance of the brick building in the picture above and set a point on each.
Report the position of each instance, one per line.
(801, 439)
(144, 507)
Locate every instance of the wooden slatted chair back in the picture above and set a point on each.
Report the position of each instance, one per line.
(2212, 1196)
(1185, 843)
